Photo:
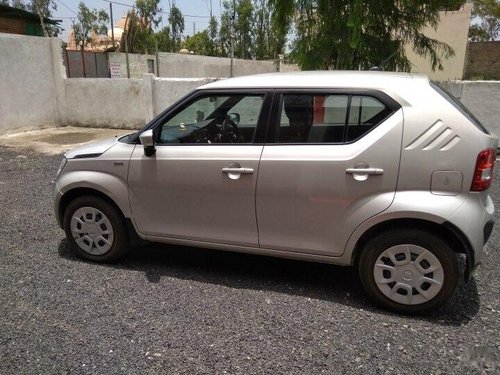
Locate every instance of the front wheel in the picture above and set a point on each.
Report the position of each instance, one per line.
(410, 271)
(95, 229)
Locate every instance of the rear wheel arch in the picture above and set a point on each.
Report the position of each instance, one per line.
(447, 231)
(409, 270)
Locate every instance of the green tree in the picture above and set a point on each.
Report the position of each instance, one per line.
(244, 29)
(269, 40)
(19, 4)
(89, 21)
(138, 38)
(204, 42)
(148, 12)
(478, 34)
(224, 39)
(199, 43)
(164, 39)
(241, 12)
(262, 31)
(485, 20)
(176, 21)
(44, 10)
(213, 35)
(144, 42)
(359, 34)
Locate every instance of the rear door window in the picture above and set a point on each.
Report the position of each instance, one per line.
(335, 118)
(365, 113)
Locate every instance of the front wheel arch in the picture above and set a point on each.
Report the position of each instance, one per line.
(98, 222)
(72, 194)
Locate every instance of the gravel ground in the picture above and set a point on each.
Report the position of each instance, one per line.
(173, 309)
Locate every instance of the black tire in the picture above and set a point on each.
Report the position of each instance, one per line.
(433, 243)
(120, 240)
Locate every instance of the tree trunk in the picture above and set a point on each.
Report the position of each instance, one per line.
(83, 61)
(45, 33)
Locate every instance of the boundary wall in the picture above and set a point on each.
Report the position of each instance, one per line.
(35, 93)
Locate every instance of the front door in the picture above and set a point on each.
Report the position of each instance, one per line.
(334, 164)
(200, 184)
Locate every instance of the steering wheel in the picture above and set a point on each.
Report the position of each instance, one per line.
(230, 132)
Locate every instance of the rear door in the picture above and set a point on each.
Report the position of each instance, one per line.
(333, 163)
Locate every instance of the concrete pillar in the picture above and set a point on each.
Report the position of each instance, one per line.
(280, 62)
(148, 92)
(59, 75)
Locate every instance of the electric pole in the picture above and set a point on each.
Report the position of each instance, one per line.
(231, 35)
(112, 28)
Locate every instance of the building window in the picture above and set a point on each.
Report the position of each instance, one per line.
(151, 66)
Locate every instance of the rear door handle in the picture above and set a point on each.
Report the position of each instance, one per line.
(237, 170)
(370, 171)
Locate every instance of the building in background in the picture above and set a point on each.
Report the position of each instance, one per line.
(100, 43)
(453, 29)
(483, 61)
(19, 21)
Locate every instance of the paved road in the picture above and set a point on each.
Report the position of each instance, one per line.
(166, 309)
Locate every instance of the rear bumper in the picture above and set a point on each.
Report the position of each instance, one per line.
(488, 229)
(475, 220)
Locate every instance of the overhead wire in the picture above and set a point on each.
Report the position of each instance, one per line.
(131, 6)
(161, 12)
(67, 7)
(118, 3)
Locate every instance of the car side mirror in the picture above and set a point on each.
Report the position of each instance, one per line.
(147, 141)
(235, 118)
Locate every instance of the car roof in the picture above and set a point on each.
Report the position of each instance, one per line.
(320, 79)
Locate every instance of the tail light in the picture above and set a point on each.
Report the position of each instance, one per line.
(483, 173)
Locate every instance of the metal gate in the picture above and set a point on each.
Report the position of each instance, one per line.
(86, 64)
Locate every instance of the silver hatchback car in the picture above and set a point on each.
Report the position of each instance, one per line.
(384, 171)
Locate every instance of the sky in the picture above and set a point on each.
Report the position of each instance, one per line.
(196, 12)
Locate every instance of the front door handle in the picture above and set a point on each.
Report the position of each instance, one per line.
(370, 171)
(237, 170)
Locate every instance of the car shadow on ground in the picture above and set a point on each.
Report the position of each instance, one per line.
(306, 279)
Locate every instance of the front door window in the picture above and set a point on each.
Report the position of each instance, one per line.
(214, 119)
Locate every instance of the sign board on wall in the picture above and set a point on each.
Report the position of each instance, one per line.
(115, 69)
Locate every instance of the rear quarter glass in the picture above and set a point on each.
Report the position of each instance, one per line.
(460, 107)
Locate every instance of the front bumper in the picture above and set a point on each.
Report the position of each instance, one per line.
(56, 198)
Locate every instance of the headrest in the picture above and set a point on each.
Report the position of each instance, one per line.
(298, 106)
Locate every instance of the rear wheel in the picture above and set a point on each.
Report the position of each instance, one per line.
(409, 271)
(95, 229)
